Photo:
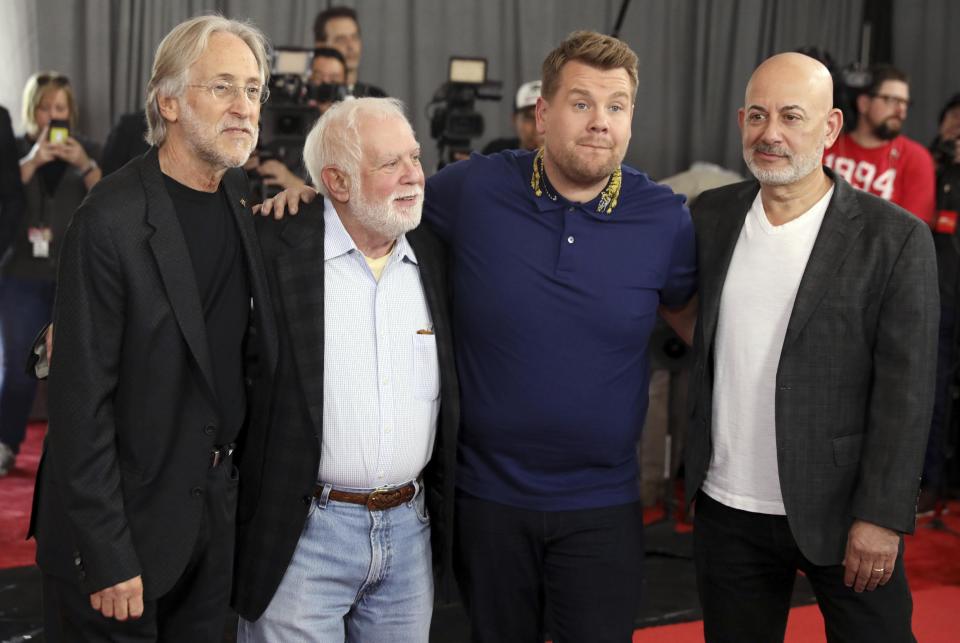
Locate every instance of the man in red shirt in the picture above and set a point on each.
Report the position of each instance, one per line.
(876, 157)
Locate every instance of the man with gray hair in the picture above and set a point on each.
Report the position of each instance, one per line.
(355, 467)
(136, 493)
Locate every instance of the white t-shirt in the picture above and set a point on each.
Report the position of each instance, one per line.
(755, 307)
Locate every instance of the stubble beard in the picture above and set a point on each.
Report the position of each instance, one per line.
(577, 169)
(205, 144)
(801, 165)
(885, 132)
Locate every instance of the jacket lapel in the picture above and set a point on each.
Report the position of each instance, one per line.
(718, 237)
(300, 280)
(176, 270)
(239, 200)
(838, 231)
(428, 273)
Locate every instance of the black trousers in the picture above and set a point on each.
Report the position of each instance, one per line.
(579, 570)
(746, 566)
(195, 610)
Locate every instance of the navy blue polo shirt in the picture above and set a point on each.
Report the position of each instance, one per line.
(553, 306)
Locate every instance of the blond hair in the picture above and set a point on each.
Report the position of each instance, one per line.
(590, 48)
(37, 88)
(335, 138)
(181, 48)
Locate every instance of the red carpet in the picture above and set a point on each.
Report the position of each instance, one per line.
(932, 559)
(934, 621)
(16, 494)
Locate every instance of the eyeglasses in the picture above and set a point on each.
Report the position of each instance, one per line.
(893, 101)
(224, 91)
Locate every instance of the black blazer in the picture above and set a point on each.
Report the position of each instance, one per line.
(856, 374)
(279, 462)
(131, 400)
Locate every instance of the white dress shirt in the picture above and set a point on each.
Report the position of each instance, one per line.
(381, 379)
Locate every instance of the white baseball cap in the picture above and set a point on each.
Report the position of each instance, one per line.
(527, 95)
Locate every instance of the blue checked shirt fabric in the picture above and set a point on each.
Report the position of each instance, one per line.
(381, 385)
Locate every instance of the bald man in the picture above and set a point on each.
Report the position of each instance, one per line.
(812, 388)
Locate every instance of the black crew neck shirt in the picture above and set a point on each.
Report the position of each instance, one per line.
(216, 253)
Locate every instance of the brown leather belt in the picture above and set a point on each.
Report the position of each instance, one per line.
(376, 500)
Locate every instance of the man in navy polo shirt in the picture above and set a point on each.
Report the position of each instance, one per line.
(561, 258)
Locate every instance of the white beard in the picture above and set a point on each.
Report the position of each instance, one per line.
(384, 217)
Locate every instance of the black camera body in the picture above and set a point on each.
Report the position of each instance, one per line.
(286, 119)
(327, 93)
(454, 120)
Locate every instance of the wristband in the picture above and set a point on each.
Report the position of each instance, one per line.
(90, 168)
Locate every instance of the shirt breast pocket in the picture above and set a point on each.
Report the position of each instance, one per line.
(426, 370)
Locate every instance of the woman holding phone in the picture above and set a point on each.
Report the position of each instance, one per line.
(57, 170)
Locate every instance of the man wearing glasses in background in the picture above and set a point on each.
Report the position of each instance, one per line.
(136, 493)
(876, 157)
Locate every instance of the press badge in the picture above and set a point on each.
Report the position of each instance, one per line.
(40, 240)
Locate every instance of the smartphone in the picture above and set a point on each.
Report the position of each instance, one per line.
(59, 131)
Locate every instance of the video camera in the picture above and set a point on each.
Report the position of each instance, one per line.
(453, 119)
(286, 119)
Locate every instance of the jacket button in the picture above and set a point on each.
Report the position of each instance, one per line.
(209, 429)
(196, 492)
(306, 499)
(77, 561)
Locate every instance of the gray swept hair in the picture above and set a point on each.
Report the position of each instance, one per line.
(181, 48)
(335, 138)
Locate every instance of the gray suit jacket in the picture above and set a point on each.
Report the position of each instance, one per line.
(855, 379)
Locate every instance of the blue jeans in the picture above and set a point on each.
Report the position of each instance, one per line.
(25, 306)
(357, 575)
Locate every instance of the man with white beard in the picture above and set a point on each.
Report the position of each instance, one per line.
(136, 493)
(335, 536)
(813, 383)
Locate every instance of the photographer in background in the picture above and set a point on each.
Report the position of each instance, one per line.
(524, 122)
(57, 170)
(338, 27)
(328, 67)
(946, 155)
(327, 85)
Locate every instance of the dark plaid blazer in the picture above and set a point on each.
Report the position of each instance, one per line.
(855, 380)
(279, 460)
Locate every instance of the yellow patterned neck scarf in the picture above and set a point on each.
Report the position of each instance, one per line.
(608, 197)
